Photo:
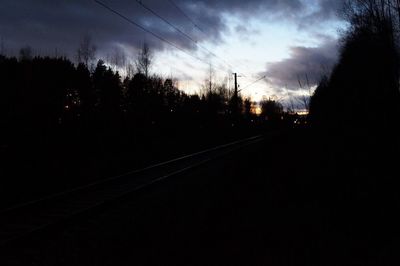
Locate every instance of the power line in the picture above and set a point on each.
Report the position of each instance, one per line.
(147, 30)
(251, 84)
(194, 24)
(165, 20)
(183, 13)
(203, 31)
(183, 33)
(156, 35)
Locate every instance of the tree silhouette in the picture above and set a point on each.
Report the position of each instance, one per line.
(363, 89)
(85, 90)
(107, 85)
(271, 110)
(247, 107)
(25, 53)
(86, 52)
(144, 60)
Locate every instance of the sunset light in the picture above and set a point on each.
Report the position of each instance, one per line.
(199, 132)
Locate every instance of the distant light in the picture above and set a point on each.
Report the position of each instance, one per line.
(257, 110)
(302, 112)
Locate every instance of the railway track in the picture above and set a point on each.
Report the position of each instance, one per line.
(28, 219)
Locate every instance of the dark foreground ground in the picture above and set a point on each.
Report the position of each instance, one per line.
(36, 166)
(293, 200)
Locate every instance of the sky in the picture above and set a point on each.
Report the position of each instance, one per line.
(285, 41)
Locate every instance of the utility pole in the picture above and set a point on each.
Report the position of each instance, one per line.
(236, 86)
(235, 100)
(210, 80)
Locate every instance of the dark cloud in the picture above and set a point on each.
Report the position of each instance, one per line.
(323, 10)
(62, 23)
(329, 8)
(246, 32)
(50, 24)
(310, 62)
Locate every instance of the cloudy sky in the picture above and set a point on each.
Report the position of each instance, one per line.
(283, 40)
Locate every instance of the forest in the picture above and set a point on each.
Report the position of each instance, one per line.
(314, 189)
(82, 119)
(85, 121)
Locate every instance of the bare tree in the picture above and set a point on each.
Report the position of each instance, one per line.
(290, 108)
(144, 60)
(118, 58)
(378, 15)
(209, 85)
(363, 87)
(211, 73)
(130, 70)
(271, 109)
(223, 91)
(25, 53)
(87, 50)
(305, 99)
(210, 80)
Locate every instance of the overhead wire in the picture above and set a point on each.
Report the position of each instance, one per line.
(165, 20)
(160, 37)
(183, 33)
(204, 32)
(254, 82)
(184, 14)
(147, 30)
(230, 67)
(195, 25)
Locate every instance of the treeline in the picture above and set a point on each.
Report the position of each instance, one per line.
(362, 92)
(42, 94)
(66, 124)
(356, 145)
